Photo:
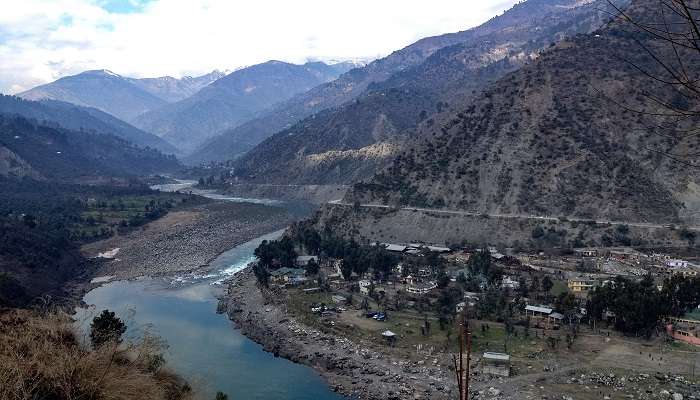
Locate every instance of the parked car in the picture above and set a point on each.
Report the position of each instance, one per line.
(380, 317)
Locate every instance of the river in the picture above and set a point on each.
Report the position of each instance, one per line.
(204, 347)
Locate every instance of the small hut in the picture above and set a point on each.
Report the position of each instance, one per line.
(389, 336)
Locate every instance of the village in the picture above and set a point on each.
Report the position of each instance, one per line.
(526, 313)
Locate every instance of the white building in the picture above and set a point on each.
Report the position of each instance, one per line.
(509, 283)
(421, 288)
(364, 286)
(675, 263)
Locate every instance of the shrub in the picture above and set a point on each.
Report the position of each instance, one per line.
(41, 358)
(106, 327)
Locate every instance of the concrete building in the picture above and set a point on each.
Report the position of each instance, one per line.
(586, 252)
(287, 276)
(421, 288)
(364, 286)
(676, 263)
(581, 284)
(495, 364)
(509, 283)
(303, 261)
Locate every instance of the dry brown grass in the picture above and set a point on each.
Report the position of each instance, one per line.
(40, 358)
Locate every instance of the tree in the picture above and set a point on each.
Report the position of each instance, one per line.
(105, 328)
(346, 269)
(221, 396)
(547, 285)
(311, 267)
(262, 274)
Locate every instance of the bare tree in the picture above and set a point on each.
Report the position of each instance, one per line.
(668, 33)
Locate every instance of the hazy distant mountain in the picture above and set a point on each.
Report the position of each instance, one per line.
(234, 99)
(348, 143)
(172, 89)
(100, 89)
(75, 117)
(43, 151)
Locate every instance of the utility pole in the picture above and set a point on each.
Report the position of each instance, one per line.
(465, 343)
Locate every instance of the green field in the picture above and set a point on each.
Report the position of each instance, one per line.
(103, 217)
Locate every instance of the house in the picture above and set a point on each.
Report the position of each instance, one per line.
(628, 255)
(674, 263)
(509, 283)
(495, 364)
(537, 311)
(687, 272)
(338, 299)
(685, 331)
(389, 336)
(364, 286)
(398, 248)
(581, 284)
(421, 288)
(586, 252)
(546, 314)
(287, 276)
(303, 261)
(556, 318)
(438, 249)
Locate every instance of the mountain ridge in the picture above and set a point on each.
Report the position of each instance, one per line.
(71, 116)
(233, 99)
(552, 139)
(335, 146)
(42, 151)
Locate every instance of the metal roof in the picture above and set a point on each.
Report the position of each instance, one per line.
(544, 310)
(395, 247)
(496, 356)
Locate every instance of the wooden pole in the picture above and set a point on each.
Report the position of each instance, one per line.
(469, 354)
(460, 380)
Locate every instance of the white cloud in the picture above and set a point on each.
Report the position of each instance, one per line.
(42, 40)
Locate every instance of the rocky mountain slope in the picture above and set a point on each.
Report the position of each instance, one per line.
(31, 149)
(100, 89)
(237, 141)
(78, 118)
(558, 137)
(232, 100)
(349, 143)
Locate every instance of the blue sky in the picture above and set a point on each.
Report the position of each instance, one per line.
(43, 40)
(123, 6)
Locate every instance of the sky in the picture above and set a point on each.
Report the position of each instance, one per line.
(43, 40)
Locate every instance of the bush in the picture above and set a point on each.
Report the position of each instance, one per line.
(105, 328)
(41, 358)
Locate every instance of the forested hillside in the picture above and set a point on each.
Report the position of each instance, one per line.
(29, 148)
(79, 118)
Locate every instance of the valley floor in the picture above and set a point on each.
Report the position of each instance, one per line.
(358, 363)
(183, 240)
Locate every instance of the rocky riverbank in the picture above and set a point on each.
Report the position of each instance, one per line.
(352, 369)
(185, 239)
